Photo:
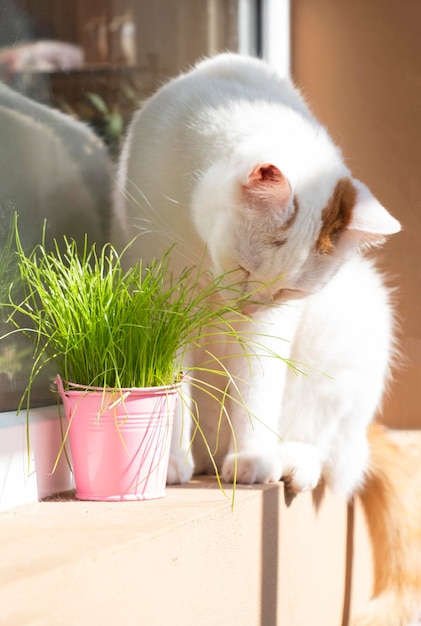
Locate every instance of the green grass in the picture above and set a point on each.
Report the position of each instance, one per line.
(107, 327)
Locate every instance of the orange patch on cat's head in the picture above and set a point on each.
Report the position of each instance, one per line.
(336, 216)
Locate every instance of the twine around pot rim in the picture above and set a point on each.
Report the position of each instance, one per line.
(125, 390)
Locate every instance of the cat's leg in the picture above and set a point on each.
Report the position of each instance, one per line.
(181, 464)
(325, 428)
(252, 453)
(345, 343)
(199, 438)
(256, 398)
(347, 463)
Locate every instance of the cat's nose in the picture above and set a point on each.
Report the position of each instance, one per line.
(251, 308)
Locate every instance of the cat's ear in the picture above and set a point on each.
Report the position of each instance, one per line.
(266, 185)
(370, 221)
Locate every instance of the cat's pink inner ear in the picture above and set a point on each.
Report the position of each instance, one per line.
(266, 172)
(266, 180)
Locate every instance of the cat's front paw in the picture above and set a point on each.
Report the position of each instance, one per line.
(302, 468)
(180, 469)
(248, 468)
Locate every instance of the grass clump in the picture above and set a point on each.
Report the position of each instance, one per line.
(105, 326)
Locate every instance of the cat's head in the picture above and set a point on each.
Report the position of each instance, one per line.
(286, 235)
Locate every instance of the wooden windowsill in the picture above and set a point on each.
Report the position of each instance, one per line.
(186, 559)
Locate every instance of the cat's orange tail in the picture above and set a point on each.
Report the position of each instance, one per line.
(391, 498)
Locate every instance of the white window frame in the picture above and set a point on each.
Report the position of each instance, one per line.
(248, 24)
(26, 475)
(275, 36)
(273, 43)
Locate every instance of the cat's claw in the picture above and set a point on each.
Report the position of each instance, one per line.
(180, 469)
(248, 468)
(302, 467)
(298, 481)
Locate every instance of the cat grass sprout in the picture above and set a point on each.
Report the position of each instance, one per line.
(107, 327)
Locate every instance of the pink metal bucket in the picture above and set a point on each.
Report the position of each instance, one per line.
(120, 440)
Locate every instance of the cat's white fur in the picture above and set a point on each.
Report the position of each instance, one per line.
(228, 161)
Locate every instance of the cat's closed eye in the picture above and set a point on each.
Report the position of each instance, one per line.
(245, 274)
(277, 243)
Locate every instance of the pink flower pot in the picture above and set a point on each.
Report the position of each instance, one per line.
(120, 440)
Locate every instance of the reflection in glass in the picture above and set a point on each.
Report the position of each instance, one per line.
(71, 76)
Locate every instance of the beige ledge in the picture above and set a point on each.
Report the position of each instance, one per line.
(187, 559)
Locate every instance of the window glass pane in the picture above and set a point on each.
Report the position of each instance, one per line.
(71, 75)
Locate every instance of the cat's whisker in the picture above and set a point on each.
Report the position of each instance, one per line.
(140, 192)
(170, 199)
(126, 195)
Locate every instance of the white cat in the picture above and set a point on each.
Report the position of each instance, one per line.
(228, 162)
(229, 157)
